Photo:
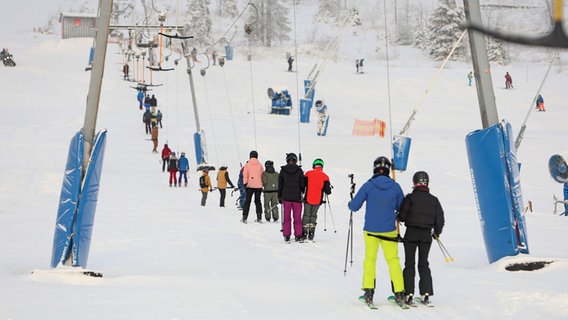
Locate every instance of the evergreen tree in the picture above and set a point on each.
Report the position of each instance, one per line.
(328, 9)
(270, 22)
(445, 31)
(198, 23)
(496, 52)
(227, 8)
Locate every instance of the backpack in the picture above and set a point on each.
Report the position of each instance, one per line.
(202, 183)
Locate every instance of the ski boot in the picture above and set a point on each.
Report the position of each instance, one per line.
(409, 300)
(369, 296)
(399, 299)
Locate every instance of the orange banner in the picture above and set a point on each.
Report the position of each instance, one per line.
(369, 127)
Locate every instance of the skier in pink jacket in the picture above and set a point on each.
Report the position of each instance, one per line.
(252, 178)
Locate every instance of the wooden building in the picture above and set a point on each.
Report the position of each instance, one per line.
(78, 25)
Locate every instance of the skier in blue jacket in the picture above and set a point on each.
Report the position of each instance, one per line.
(183, 167)
(383, 196)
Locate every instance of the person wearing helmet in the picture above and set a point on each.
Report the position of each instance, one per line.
(317, 184)
(173, 168)
(423, 217)
(252, 179)
(383, 197)
(222, 181)
(270, 190)
(183, 167)
(291, 185)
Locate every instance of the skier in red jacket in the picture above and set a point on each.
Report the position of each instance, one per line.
(317, 183)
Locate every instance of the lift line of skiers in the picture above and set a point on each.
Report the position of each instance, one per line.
(300, 195)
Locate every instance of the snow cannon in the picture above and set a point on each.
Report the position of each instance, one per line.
(496, 182)
(558, 168)
(281, 101)
(401, 149)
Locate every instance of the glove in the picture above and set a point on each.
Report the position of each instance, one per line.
(280, 200)
(435, 236)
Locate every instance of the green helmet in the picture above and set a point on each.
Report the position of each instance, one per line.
(317, 162)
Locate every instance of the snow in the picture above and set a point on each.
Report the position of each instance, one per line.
(163, 256)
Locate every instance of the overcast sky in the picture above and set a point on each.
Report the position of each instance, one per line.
(18, 16)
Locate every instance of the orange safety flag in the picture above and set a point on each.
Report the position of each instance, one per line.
(369, 127)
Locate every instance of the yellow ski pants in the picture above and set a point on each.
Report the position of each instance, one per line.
(390, 252)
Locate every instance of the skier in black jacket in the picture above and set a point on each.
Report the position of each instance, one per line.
(291, 185)
(423, 217)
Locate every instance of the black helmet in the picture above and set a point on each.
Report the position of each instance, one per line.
(319, 103)
(317, 162)
(253, 154)
(291, 156)
(382, 166)
(420, 177)
(269, 163)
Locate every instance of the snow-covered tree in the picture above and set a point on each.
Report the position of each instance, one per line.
(445, 31)
(496, 51)
(328, 10)
(227, 8)
(198, 22)
(270, 22)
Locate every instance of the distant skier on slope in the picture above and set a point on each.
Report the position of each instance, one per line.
(508, 81)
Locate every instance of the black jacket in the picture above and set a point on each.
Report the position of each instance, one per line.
(422, 210)
(291, 183)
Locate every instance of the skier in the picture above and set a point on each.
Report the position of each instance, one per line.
(470, 77)
(290, 61)
(140, 97)
(183, 167)
(360, 69)
(155, 138)
(153, 104)
(383, 196)
(321, 109)
(540, 103)
(270, 189)
(125, 71)
(166, 153)
(252, 179)
(173, 168)
(242, 191)
(214, 57)
(508, 81)
(147, 119)
(317, 183)
(205, 185)
(147, 102)
(291, 185)
(222, 181)
(357, 65)
(159, 117)
(423, 217)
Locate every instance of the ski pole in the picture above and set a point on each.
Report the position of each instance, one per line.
(445, 252)
(330, 213)
(324, 218)
(350, 230)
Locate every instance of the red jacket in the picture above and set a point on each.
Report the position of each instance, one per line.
(317, 183)
(166, 153)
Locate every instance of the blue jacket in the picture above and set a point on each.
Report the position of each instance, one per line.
(383, 196)
(183, 164)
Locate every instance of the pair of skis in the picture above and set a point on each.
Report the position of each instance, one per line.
(392, 299)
